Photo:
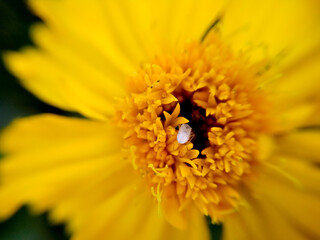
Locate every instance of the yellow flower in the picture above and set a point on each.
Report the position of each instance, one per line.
(191, 108)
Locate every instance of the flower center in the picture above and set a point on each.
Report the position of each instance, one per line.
(193, 120)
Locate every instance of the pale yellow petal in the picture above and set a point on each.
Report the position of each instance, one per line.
(301, 143)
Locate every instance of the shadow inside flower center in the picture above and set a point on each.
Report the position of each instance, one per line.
(200, 124)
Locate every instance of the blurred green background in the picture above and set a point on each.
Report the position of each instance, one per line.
(15, 102)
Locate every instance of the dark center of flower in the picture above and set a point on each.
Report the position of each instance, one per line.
(200, 124)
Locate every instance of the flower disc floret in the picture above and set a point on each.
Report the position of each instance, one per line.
(215, 92)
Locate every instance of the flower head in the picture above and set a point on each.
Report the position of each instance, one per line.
(183, 119)
(218, 95)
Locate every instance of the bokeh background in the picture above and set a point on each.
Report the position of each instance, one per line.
(16, 102)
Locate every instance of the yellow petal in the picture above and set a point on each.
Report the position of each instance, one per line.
(175, 22)
(129, 33)
(48, 156)
(102, 213)
(233, 229)
(87, 49)
(66, 87)
(274, 30)
(304, 144)
(90, 27)
(46, 188)
(298, 205)
(307, 174)
(175, 217)
(158, 26)
(298, 85)
(74, 167)
(276, 207)
(138, 213)
(260, 220)
(37, 132)
(272, 27)
(301, 115)
(197, 228)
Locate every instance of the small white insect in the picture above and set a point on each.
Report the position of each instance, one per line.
(184, 134)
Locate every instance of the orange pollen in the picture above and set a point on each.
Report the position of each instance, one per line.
(208, 87)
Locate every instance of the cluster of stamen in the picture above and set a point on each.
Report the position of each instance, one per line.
(213, 91)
